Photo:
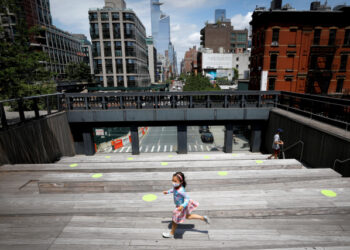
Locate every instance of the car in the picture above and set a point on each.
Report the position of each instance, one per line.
(207, 137)
(203, 129)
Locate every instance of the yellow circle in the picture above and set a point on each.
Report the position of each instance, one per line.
(329, 193)
(108, 157)
(164, 164)
(170, 156)
(149, 197)
(259, 162)
(130, 159)
(73, 165)
(223, 173)
(235, 155)
(206, 157)
(96, 176)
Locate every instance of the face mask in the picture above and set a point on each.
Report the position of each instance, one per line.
(175, 185)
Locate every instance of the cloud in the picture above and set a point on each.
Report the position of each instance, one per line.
(192, 3)
(241, 22)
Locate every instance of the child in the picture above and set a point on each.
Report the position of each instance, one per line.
(184, 205)
(276, 144)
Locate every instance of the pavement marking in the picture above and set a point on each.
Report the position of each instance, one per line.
(223, 173)
(165, 148)
(158, 149)
(108, 157)
(164, 164)
(146, 149)
(109, 150)
(152, 150)
(121, 151)
(96, 176)
(189, 147)
(206, 157)
(129, 148)
(208, 148)
(329, 193)
(149, 197)
(195, 146)
(202, 147)
(141, 148)
(73, 165)
(130, 159)
(171, 148)
(235, 155)
(170, 156)
(115, 151)
(259, 162)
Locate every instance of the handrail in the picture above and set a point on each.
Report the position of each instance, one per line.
(292, 146)
(339, 161)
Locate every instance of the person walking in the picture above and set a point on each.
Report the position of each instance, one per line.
(184, 205)
(276, 145)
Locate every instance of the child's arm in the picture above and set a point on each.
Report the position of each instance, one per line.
(186, 199)
(170, 191)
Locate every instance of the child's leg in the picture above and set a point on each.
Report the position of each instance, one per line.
(173, 228)
(194, 217)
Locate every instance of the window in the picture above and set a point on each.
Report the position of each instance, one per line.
(273, 62)
(130, 49)
(98, 66)
(131, 66)
(129, 17)
(107, 48)
(131, 81)
(275, 35)
(96, 49)
(104, 17)
(118, 49)
(332, 35)
(115, 16)
(94, 31)
(105, 31)
(120, 81)
(237, 66)
(93, 16)
(109, 66)
(129, 30)
(343, 62)
(119, 65)
(272, 82)
(116, 31)
(110, 81)
(317, 36)
(340, 84)
(347, 37)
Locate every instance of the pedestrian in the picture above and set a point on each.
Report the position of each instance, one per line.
(276, 145)
(184, 205)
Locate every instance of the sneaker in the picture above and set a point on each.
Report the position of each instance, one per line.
(206, 219)
(168, 235)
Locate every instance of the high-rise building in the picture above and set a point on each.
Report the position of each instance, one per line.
(87, 51)
(152, 59)
(190, 64)
(220, 16)
(118, 46)
(61, 46)
(301, 51)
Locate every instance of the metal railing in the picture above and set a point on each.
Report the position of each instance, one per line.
(340, 162)
(171, 100)
(292, 146)
(15, 111)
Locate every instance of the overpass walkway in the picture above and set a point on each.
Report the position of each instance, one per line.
(97, 203)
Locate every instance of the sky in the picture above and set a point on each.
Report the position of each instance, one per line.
(187, 17)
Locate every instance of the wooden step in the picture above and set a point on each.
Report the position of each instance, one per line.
(183, 166)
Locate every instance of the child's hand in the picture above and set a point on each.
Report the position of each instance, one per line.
(165, 192)
(180, 208)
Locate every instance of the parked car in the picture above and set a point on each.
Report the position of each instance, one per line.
(207, 137)
(203, 129)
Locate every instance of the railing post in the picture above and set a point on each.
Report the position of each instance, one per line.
(138, 103)
(86, 103)
(228, 138)
(104, 102)
(259, 102)
(191, 101)
(225, 103)
(135, 141)
(121, 102)
(276, 100)
(58, 103)
(182, 139)
(243, 101)
(68, 103)
(21, 110)
(156, 101)
(36, 108)
(208, 101)
(3, 116)
(48, 105)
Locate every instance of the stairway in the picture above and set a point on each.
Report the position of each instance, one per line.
(97, 203)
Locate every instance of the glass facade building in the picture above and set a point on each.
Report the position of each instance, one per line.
(119, 48)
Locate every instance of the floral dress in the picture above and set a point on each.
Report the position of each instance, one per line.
(182, 199)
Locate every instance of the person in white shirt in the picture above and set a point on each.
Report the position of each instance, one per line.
(276, 145)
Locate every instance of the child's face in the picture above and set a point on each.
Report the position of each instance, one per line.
(176, 180)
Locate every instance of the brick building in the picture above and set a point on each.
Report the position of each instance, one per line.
(190, 64)
(301, 51)
(223, 35)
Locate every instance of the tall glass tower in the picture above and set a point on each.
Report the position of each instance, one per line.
(220, 15)
(160, 27)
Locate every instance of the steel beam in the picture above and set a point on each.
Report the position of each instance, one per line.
(182, 139)
(135, 141)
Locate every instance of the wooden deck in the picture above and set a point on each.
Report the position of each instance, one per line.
(253, 203)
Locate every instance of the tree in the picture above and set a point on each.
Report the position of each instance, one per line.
(199, 83)
(236, 74)
(23, 71)
(78, 72)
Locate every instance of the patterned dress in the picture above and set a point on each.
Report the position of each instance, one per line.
(182, 199)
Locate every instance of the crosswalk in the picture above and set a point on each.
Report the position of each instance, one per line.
(165, 148)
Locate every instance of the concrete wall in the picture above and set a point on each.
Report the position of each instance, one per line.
(38, 141)
(323, 143)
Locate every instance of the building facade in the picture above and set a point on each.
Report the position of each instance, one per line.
(152, 59)
(221, 37)
(118, 46)
(190, 63)
(301, 51)
(86, 50)
(220, 16)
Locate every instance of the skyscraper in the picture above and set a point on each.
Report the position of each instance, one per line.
(220, 14)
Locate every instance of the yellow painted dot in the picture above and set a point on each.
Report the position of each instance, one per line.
(149, 197)
(108, 157)
(96, 176)
(259, 162)
(222, 173)
(329, 193)
(73, 165)
(170, 156)
(130, 159)
(164, 164)
(235, 155)
(206, 157)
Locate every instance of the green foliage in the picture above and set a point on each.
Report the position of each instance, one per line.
(78, 72)
(236, 74)
(223, 81)
(199, 83)
(23, 71)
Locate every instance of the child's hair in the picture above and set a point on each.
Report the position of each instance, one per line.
(181, 177)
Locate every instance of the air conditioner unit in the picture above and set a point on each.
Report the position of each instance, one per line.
(274, 44)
